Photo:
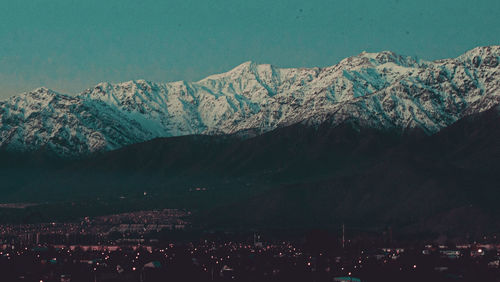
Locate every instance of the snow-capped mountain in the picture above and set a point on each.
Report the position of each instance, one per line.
(382, 90)
(64, 124)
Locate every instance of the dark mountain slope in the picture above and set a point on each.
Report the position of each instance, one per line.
(447, 182)
(292, 177)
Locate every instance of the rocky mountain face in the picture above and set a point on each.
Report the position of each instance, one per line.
(44, 119)
(376, 90)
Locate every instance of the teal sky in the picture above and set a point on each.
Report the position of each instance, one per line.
(72, 45)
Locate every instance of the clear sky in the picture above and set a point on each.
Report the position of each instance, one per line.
(71, 45)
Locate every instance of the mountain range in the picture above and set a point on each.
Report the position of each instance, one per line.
(377, 140)
(371, 90)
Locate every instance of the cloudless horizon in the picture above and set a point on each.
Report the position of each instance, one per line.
(69, 45)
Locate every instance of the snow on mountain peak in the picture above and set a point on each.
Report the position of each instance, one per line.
(234, 72)
(366, 59)
(483, 51)
(41, 91)
(487, 56)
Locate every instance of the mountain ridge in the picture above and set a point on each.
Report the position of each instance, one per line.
(378, 90)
